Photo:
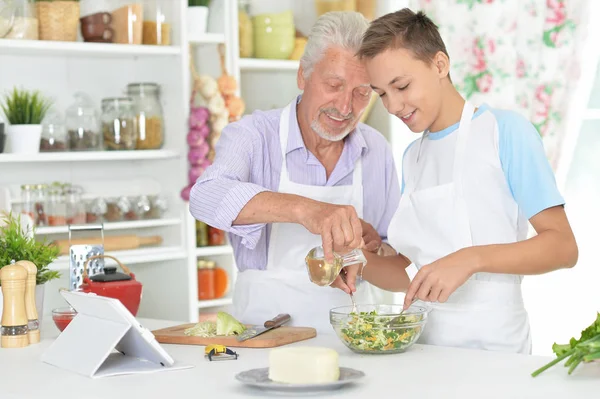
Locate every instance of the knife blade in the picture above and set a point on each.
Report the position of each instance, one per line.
(253, 331)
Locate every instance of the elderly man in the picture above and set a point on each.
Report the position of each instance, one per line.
(287, 180)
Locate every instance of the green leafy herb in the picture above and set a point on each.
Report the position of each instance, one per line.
(585, 349)
(198, 3)
(16, 244)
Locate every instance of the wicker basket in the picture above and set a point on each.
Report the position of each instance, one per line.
(58, 20)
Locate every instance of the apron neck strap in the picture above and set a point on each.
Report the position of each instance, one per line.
(461, 146)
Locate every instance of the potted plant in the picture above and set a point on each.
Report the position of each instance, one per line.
(197, 17)
(58, 19)
(18, 243)
(24, 111)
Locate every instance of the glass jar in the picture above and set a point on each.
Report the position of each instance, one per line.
(158, 207)
(18, 20)
(116, 209)
(149, 115)
(53, 133)
(118, 124)
(75, 207)
(127, 23)
(39, 204)
(56, 208)
(245, 29)
(95, 210)
(201, 234)
(206, 280)
(82, 125)
(215, 236)
(157, 28)
(27, 207)
(141, 205)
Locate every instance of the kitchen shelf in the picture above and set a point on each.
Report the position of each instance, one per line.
(88, 156)
(61, 49)
(592, 113)
(211, 303)
(207, 38)
(258, 64)
(136, 224)
(214, 250)
(131, 257)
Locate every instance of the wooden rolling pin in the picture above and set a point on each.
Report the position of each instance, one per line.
(111, 243)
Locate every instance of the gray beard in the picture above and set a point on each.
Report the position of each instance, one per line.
(321, 132)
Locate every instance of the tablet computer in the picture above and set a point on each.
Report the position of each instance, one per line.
(138, 341)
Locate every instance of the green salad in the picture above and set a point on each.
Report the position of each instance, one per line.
(368, 331)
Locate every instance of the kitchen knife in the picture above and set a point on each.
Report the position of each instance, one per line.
(253, 331)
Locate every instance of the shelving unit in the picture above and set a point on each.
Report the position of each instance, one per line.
(61, 49)
(90, 156)
(136, 224)
(256, 64)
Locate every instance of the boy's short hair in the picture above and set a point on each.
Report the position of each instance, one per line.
(403, 29)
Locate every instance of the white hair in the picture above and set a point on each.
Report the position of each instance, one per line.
(342, 29)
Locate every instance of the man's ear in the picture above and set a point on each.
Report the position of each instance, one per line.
(300, 78)
(442, 64)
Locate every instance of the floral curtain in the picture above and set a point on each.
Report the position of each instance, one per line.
(514, 54)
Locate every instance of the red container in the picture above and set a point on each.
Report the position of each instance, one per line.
(113, 284)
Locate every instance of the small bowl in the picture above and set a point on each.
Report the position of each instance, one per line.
(369, 330)
(63, 316)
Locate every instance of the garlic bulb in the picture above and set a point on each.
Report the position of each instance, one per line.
(216, 104)
(207, 86)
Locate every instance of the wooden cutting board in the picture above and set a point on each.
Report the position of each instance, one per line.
(276, 337)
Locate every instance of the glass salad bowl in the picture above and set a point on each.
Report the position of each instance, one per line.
(378, 329)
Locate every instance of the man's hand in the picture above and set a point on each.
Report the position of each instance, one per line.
(370, 236)
(338, 225)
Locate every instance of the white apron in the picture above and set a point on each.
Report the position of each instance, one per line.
(285, 287)
(434, 222)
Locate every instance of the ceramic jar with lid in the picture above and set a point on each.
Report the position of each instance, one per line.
(118, 124)
(148, 114)
(83, 127)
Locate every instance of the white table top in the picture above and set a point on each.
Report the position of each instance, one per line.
(421, 372)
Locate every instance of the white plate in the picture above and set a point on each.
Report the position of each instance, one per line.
(259, 378)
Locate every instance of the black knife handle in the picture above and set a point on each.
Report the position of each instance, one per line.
(277, 320)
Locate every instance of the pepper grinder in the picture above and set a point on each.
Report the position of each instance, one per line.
(33, 325)
(14, 318)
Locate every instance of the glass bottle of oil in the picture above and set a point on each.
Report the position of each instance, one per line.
(323, 273)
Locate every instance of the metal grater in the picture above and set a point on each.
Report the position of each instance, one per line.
(78, 254)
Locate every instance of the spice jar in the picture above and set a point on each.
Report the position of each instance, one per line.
(158, 206)
(95, 210)
(83, 130)
(149, 115)
(156, 28)
(206, 280)
(116, 209)
(141, 205)
(201, 234)
(56, 208)
(215, 236)
(75, 207)
(39, 204)
(118, 124)
(129, 211)
(27, 207)
(54, 136)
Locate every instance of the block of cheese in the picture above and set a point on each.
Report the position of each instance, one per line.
(303, 365)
